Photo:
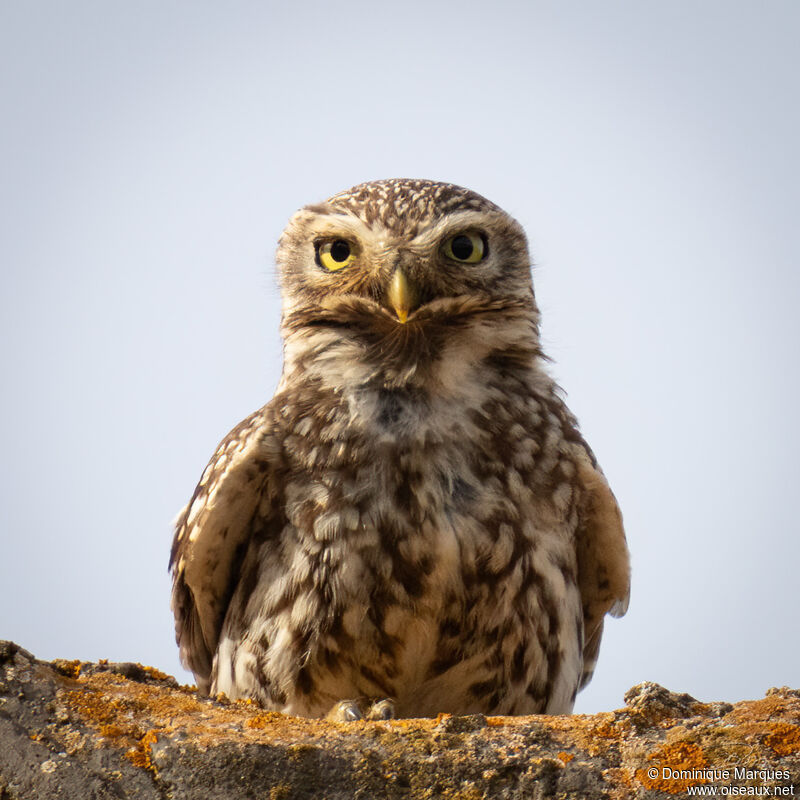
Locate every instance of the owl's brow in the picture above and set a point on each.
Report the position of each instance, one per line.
(454, 223)
(376, 234)
(337, 224)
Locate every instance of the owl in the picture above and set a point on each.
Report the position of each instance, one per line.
(413, 524)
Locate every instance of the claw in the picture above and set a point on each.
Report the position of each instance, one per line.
(382, 709)
(345, 711)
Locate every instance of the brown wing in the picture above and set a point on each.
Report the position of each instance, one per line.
(211, 537)
(603, 565)
(601, 549)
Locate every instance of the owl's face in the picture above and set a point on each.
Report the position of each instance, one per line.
(400, 267)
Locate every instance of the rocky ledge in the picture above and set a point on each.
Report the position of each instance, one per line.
(75, 730)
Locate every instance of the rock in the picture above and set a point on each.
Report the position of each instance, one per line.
(75, 730)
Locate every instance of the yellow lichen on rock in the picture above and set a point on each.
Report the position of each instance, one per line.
(164, 740)
(677, 757)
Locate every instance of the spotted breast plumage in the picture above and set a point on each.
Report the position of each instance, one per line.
(413, 523)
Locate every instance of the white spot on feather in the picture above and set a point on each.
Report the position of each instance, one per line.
(197, 507)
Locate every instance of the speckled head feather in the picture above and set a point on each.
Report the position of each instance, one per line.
(414, 515)
(400, 204)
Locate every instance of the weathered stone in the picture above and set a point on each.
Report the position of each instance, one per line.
(75, 730)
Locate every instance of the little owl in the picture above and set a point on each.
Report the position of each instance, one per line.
(413, 524)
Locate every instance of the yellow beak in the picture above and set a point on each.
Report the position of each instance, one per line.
(401, 295)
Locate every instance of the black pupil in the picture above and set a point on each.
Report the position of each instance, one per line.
(340, 250)
(462, 247)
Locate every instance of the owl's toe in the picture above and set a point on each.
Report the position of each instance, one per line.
(381, 709)
(345, 711)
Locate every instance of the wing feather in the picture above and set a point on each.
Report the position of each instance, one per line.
(211, 536)
(601, 549)
(602, 554)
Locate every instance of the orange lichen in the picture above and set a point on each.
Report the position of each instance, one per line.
(769, 706)
(154, 673)
(784, 738)
(94, 707)
(605, 730)
(124, 711)
(141, 754)
(771, 720)
(132, 715)
(111, 731)
(676, 757)
(69, 668)
(680, 755)
(263, 720)
(596, 735)
(121, 711)
(246, 701)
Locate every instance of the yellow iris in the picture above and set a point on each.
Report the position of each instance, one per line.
(468, 248)
(335, 255)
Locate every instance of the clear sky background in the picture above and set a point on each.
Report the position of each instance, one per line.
(151, 154)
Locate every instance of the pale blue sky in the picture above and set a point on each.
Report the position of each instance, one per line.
(151, 155)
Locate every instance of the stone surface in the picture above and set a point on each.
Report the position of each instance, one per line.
(95, 731)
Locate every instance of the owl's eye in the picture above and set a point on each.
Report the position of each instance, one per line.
(334, 255)
(468, 248)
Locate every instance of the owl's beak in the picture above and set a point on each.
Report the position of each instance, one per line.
(402, 296)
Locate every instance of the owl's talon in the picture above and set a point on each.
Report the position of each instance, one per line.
(382, 709)
(345, 711)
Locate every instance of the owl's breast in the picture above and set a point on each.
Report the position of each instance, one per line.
(416, 529)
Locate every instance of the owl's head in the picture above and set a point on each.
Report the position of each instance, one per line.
(398, 274)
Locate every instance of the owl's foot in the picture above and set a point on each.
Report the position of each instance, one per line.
(381, 709)
(364, 708)
(345, 711)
